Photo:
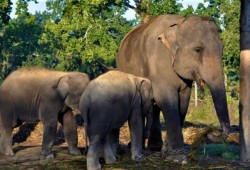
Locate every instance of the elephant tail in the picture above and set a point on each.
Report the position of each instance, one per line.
(86, 140)
(84, 108)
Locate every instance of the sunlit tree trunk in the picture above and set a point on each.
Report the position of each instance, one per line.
(245, 81)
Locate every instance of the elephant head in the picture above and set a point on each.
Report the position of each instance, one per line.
(196, 51)
(147, 100)
(71, 87)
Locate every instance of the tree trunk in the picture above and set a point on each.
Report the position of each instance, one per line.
(141, 8)
(245, 81)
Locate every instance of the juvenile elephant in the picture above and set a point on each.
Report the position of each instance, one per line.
(106, 104)
(37, 94)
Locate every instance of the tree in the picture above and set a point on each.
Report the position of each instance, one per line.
(20, 43)
(189, 11)
(231, 37)
(212, 10)
(5, 9)
(245, 81)
(148, 8)
(82, 32)
(20, 40)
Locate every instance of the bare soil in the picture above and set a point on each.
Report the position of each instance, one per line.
(27, 141)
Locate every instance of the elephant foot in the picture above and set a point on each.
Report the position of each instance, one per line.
(181, 158)
(155, 145)
(7, 151)
(109, 159)
(92, 164)
(74, 151)
(177, 156)
(138, 158)
(47, 155)
(122, 149)
(109, 155)
(147, 152)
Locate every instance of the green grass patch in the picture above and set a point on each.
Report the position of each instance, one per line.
(230, 152)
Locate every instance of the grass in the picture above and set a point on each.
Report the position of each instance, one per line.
(205, 112)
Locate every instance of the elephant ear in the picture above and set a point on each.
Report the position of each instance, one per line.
(169, 40)
(71, 87)
(63, 87)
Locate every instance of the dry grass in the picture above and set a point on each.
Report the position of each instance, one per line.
(204, 154)
(195, 136)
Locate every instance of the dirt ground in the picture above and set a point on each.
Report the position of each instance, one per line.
(27, 141)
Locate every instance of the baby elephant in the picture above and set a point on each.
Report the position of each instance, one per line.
(33, 94)
(106, 104)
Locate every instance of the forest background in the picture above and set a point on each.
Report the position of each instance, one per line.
(71, 35)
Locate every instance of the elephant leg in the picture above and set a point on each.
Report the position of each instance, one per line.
(6, 141)
(155, 140)
(6, 133)
(136, 134)
(113, 140)
(70, 131)
(49, 113)
(49, 134)
(49, 119)
(184, 102)
(169, 103)
(145, 130)
(175, 141)
(92, 155)
(109, 154)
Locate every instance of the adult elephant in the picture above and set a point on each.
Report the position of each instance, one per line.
(173, 51)
(33, 94)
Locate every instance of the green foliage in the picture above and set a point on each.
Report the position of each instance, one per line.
(231, 39)
(83, 32)
(158, 7)
(20, 43)
(5, 9)
(212, 10)
(149, 8)
(189, 11)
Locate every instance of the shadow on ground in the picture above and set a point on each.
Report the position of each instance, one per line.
(28, 138)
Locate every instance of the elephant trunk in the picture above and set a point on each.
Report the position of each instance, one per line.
(220, 103)
(214, 80)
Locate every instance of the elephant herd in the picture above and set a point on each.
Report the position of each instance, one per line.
(157, 63)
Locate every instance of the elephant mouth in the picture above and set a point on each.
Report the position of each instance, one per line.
(199, 81)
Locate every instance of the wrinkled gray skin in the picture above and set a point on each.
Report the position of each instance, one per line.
(36, 94)
(173, 51)
(106, 104)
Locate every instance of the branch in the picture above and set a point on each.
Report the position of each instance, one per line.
(129, 6)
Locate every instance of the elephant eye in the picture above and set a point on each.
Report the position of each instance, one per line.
(198, 49)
